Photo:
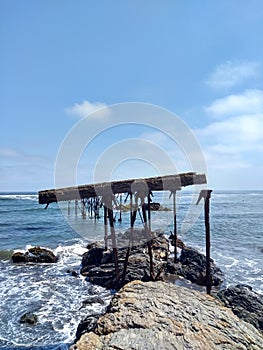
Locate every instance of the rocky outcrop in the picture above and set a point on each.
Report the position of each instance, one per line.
(192, 266)
(245, 303)
(35, 255)
(98, 264)
(158, 316)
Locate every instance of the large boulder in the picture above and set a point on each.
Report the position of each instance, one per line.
(158, 315)
(192, 266)
(98, 264)
(245, 303)
(35, 255)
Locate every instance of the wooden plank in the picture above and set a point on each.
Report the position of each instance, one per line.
(159, 183)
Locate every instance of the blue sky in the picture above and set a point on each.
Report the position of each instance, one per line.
(61, 59)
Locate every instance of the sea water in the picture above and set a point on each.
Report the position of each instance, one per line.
(56, 297)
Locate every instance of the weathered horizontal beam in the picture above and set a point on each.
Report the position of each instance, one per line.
(160, 183)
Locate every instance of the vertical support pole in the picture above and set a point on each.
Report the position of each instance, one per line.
(76, 207)
(91, 207)
(208, 244)
(68, 208)
(175, 227)
(206, 194)
(83, 209)
(132, 220)
(149, 214)
(120, 219)
(105, 227)
(149, 242)
(114, 243)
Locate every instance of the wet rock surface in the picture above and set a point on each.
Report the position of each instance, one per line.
(35, 255)
(158, 315)
(245, 303)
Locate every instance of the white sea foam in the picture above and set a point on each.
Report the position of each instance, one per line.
(32, 197)
(51, 293)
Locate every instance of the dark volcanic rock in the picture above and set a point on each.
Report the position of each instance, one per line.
(87, 325)
(158, 316)
(35, 255)
(245, 303)
(28, 318)
(194, 267)
(98, 264)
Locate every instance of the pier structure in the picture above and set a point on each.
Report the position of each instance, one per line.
(93, 197)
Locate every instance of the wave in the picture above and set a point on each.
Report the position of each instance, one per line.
(14, 196)
(6, 254)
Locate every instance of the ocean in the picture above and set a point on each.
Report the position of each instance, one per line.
(56, 297)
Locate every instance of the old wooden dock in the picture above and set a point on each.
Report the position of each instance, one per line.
(138, 191)
(161, 183)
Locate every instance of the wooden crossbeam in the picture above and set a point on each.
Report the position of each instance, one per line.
(160, 183)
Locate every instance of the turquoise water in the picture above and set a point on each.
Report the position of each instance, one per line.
(56, 297)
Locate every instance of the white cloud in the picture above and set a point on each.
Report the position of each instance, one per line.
(250, 102)
(230, 74)
(233, 143)
(87, 108)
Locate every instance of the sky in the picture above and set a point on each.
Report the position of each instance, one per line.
(64, 59)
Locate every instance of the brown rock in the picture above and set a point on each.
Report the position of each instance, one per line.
(158, 315)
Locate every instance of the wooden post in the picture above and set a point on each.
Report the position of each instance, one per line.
(120, 219)
(206, 194)
(83, 209)
(133, 218)
(149, 214)
(114, 243)
(175, 227)
(149, 242)
(76, 207)
(105, 227)
(68, 208)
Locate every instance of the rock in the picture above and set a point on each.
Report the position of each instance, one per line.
(28, 318)
(154, 206)
(193, 267)
(87, 325)
(19, 257)
(158, 315)
(73, 273)
(245, 303)
(36, 255)
(98, 264)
